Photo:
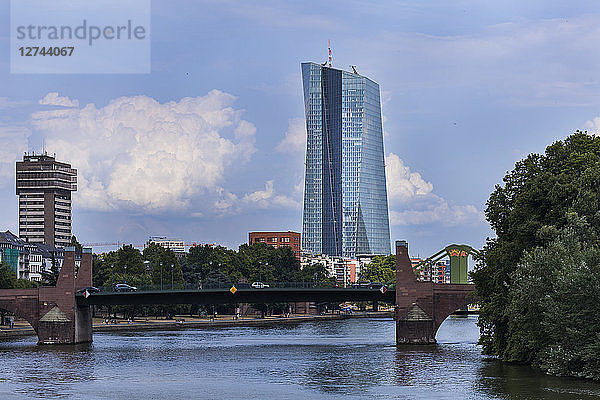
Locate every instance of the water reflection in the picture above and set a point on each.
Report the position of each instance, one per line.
(26, 365)
(335, 359)
(519, 381)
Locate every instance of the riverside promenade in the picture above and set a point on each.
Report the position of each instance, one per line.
(22, 328)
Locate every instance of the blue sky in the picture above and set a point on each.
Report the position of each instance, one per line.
(210, 144)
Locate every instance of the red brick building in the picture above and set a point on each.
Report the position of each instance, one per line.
(277, 239)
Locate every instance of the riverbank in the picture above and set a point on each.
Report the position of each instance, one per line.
(184, 322)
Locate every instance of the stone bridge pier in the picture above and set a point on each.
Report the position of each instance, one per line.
(52, 311)
(421, 307)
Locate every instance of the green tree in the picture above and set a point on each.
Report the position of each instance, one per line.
(7, 276)
(536, 199)
(163, 261)
(50, 277)
(316, 274)
(75, 243)
(123, 265)
(25, 284)
(553, 307)
(381, 269)
(8, 279)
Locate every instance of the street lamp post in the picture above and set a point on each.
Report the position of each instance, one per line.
(209, 276)
(125, 273)
(266, 270)
(112, 280)
(161, 287)
(172, 276)
(219, 275)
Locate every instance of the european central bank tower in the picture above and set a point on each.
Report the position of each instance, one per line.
(345, 196)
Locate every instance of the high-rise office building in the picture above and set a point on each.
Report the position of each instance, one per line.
(345, 196)
(44, 187)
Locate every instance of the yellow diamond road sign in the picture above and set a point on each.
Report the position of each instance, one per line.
(233, 290)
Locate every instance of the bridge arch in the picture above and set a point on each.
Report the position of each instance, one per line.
(22, 303)
(421, 307)
(52, 311)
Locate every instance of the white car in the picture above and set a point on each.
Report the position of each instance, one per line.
(123, 287)
(259, 285)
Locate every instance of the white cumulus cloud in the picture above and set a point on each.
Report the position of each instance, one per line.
(295, 137)
(53, 99)
(268, 198)
(413, 202)
(402, 184)
(593, 126)
(438, 211)
(229, 203)
(13, 142)
(137, 153)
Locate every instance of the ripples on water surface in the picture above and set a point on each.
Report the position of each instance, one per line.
(334, 359)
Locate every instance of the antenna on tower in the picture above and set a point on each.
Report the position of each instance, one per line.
(330, 54)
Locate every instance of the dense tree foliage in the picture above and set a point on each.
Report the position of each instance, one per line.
(251, 263)
(553, 304)
(7, 276)
(164, 266)
(125, 265)
(382, 269)
(546, 218)
(8, 279)
(203, 265)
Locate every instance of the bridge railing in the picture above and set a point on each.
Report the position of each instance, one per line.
(228, 286)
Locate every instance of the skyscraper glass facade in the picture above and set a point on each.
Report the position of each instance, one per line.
(345, 197)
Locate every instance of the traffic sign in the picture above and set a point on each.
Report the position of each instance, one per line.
(233, 289)
(86, 294)
(383, 289)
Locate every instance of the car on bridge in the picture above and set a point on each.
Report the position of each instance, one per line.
(377, 285)
(89, 289)
(369, 285)
(259, 285)
(123, 287)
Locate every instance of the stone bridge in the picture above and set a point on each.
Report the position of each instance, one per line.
(421, 307)
(53, 311)
(58, 316)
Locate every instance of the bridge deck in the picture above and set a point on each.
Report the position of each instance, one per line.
(224, 296)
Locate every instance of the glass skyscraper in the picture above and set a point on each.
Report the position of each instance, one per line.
(345, 196)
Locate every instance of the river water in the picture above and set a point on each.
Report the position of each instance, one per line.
(348, 359)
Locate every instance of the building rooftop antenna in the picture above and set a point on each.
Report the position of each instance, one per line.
(330, 54)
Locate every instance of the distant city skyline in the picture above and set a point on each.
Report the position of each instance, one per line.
(211, 144)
